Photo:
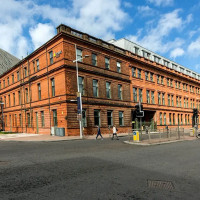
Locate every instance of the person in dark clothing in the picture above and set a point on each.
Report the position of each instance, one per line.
(99, 133)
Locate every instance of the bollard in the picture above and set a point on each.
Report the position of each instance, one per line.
(136, 137)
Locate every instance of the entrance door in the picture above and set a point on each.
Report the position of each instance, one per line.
(37, 128)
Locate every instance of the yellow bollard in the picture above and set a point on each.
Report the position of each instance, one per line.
(136, 136)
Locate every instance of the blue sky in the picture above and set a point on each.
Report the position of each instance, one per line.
(170, 28)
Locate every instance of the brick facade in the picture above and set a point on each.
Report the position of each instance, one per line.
(51, 67)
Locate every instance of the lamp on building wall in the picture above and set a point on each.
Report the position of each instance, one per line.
(79, 99)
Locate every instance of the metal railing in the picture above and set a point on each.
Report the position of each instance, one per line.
(158, 135)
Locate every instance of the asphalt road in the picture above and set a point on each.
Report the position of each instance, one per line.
(102, 169)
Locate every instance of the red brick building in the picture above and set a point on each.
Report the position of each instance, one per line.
(39, 92)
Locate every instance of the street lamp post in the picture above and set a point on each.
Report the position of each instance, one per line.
(79, 99)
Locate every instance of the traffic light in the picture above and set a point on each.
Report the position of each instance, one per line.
(195, 112)
(139, 110)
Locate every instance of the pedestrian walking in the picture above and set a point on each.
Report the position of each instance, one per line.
(115, 132)
(99, 133)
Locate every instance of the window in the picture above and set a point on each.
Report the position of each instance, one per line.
(158, 79)
(121, 118)
(120, 92)
(118, 67)
(162, 80)
(165, 120)
(181, 119)
(16, 120)
(95, 88)
(180, 102)
(94, 59)
(140, 95)
(152, 97)
(159, 100)
(109, 118)
(171, 83)
(136, 50)
(172, 100)
(167, 81)
(8, 81)
(107, 63)
(178, 119)
(177, 101)
(139, 73)
(39, 91)
(26, 92)
(146, 76)
(148, 97)
(0, 85)
(173, 119)
(179, 85)
(13, 78)
(19, 96)
(53, 92)
(81, 85)
(18, 76)
(51, 57)
(168, 97)
(13, 99)
(160, 118)
(151, 76)
(34, 66)
(176, 86)
(9, 100)
(79, 55)
(163, 98)
(135, 94)
(55, 120)
(186, 119)
(84, 119)
(4, 84)
(20, 120)
(96, 117)
(133, 72)
(170, 119)
(37, 64)
(5, 101)
(25, 72)
(42, 118)
(108, 90)
(29, 119)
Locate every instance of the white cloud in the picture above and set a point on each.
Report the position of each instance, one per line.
(145, 10)
(41, 34)
(128, 4)
(156, 38)
(162, 2)
(176, 52)
(194, 47)
(100, 18)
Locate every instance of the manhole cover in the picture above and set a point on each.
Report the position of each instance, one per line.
(167, 185)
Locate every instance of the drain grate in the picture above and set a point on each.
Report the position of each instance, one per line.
(167, 185)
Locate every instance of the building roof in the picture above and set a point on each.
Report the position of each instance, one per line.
(143, 52)
(7, 61)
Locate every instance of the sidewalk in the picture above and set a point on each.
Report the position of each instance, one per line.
(27, 137)
(160, 141)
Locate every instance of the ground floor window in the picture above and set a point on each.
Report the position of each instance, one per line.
(160, 118)
(42, 118)
(121, 118)
(29, 119)
(84, 119)
(97, 117)
(110, 117)
(55, 120)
